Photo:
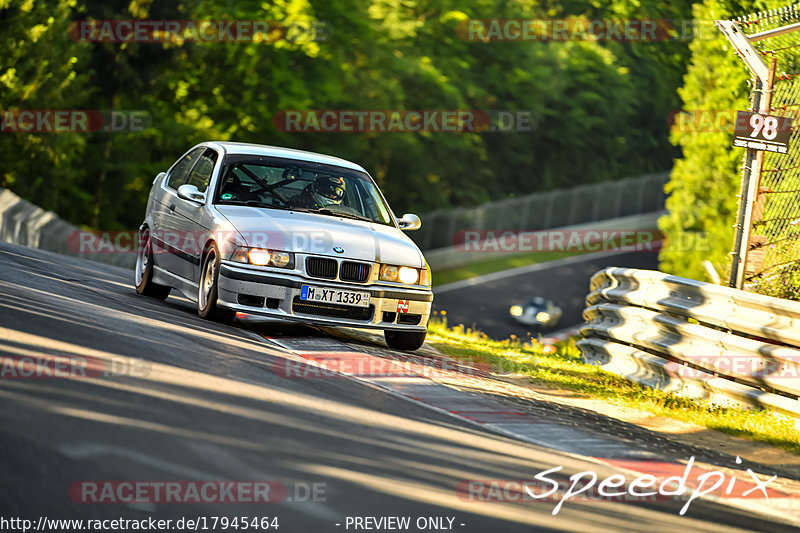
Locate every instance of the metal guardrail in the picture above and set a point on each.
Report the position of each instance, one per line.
(695, 339)
(22, 222)
(454, 257)
(546, 209)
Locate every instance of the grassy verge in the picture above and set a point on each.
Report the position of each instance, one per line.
(440, 277)
(561, 367)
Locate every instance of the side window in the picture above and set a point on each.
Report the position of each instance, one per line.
(179, 172)
(201, 173)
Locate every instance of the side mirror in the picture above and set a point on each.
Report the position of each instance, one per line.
(191, 194)
(409, 222)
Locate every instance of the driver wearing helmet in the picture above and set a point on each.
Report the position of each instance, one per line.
(323, 192)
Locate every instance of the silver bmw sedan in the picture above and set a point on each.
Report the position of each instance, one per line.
(285, 234)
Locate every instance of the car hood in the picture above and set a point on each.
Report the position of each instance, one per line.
(298, 232)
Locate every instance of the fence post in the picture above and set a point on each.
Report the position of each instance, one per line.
(764, 80)
(751, 180)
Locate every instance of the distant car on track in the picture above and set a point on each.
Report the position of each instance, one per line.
(538, 312)
(285, 234)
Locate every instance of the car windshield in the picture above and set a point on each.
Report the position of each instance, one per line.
(301, 186)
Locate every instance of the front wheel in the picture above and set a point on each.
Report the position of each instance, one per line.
(143, 275)
(405, 340)
(209, 289)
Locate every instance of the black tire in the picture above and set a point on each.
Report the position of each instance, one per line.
(207, 290)
(405, 340)
(143, 271)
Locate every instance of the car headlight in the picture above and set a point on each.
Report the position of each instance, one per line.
(263, 257)
(408, 275)
(403, 274)
(542, 316)
(516, 310)
(259, 256)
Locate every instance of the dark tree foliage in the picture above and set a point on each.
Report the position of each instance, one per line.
(599, 109)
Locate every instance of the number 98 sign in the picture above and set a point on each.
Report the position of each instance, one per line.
(767, 126)
(762, 132)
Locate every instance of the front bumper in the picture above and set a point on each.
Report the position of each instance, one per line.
(276, 295)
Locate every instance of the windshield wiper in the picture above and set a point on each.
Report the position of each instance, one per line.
(328, 211)
(254, 203)
(321, 210)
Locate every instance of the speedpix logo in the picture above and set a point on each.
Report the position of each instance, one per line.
(659, 482)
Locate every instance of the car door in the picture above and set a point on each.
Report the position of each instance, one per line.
(164, 221)
(191, 219)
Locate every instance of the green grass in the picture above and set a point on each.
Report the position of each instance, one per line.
(564, 369)
(440, 277)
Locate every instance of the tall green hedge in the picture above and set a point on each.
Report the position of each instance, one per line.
(705, 180)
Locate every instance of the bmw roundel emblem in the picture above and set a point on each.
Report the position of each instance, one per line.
(338, 249)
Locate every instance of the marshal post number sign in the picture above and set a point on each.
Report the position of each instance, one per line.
(762, 132)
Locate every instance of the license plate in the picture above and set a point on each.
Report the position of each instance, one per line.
(334, 296)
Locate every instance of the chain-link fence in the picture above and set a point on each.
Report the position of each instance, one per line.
(545, 210)
(772, 254)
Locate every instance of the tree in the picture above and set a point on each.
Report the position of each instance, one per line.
(598, 108)
(39, 70)
(702, 190)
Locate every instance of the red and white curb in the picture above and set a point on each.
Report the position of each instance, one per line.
(407, 375)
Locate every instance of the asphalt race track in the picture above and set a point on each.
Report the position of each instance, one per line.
(177, 398)
(485, 305)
